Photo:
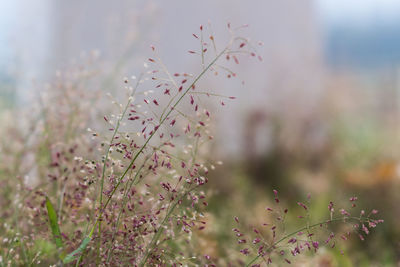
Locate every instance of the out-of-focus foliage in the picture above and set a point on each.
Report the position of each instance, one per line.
(299, 125)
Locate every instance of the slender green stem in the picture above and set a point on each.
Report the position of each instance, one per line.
(102, 181)
(103, 174)
(157, 235)
(125, 199)
(105, 164)
(161, 229)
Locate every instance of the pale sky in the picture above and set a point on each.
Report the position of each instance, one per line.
(14, 29)
(358, 11)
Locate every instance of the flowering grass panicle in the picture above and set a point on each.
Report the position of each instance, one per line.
(271, 242)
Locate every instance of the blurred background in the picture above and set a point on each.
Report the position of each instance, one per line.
(320, 114)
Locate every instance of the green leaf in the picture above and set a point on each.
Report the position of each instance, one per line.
(55, 229)
(76, 253)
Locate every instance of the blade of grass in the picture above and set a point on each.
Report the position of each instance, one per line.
(55, 228)
(77, 252)
(53, 220)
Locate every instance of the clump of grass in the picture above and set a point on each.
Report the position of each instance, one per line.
(133, 194)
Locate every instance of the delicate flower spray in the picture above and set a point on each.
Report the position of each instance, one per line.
(272, 243)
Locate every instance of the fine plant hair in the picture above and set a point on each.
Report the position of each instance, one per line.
(134, 194)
